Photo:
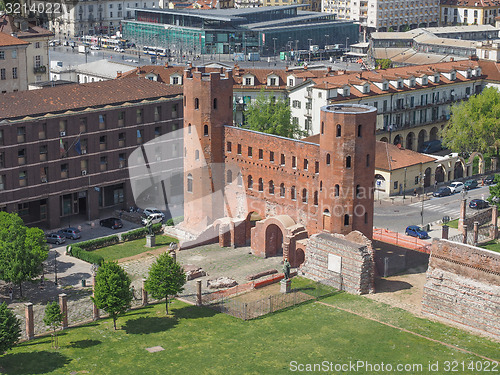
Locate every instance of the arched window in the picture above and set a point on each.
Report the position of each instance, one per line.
(348, 162)
(292, 193)
(346, 219)
(189, 128)
(215, 103)
(322, 127)
(190, 183)
(197, 155)
(229, 176)
(339, 130)
(316, 198)
(316, 167)
(261, 184)
(321, 186)
(367, 160)
(271, 187)
(205, 130)
(250, 182)
(196, 103)
(337, 190)
(359, 130)
(306, 164)
(304, 195)
(366, 217)
(282, 190)
(240, 179)
(358, 191)
(328, 159)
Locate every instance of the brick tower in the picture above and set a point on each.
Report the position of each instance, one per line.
(347, 168)
(208, 106)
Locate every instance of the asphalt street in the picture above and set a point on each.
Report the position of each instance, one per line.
(396, 216)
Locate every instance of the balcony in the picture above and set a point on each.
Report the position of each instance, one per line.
(40, 69)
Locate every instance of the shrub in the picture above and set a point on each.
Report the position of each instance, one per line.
(174, 221)
(99, 242)
(86, 256)
(140, 233)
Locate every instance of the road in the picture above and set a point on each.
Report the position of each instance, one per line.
(398, 216)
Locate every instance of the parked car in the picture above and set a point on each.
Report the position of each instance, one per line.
(151, 210)
(55, 238)
(489, 180)
(94, 47)
(416, 231)
(470, 184)
(156, 218)
(442, 192)
(456, 187)
(111, 222)
(478, 204)
(71, 233)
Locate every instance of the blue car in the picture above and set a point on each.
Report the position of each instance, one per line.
(416, 231)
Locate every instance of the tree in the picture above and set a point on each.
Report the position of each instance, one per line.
(383, 63)
(53, 318)
(474, 124)
(112, 290)
(494, 197)
(166, 278)
(272, 116)
(10, 328)
(22, 250)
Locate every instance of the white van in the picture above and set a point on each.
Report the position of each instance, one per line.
(156, 218)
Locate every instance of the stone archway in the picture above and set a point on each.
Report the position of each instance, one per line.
(250, 221)
(410, 141)
(458, 170)
(476, 163)
(422, 134)
(274, 240)
(384, 139)
(427, 177)
(398, 140)
(440, 174)
(433, 134)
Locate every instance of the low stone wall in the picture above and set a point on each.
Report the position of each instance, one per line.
(462, 287)
(343, 262)
(482, 217)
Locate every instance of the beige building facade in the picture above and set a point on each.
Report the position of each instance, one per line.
(13, 70)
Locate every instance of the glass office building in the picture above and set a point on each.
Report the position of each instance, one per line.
(266, 30)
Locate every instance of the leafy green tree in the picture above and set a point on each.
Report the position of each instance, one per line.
(494, 197)
(112, 290)
(166, 278)
(10, 328)
(53, 318)
(22, 250)
(474, 124)
(272, 116)
(383, 63)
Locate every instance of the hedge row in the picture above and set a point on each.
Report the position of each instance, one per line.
(99, 242)
(174, 221)
(140, 233)
(85, 255)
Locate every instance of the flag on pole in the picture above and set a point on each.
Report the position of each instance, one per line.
(78, 147)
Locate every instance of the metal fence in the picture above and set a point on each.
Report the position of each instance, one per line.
(264, 306)
(483, 235)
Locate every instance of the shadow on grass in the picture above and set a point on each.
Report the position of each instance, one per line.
(32, 363)
(389, 286)
(147, 325)
(193, 312)
(83, 344)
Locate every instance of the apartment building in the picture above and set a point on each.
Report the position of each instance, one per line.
(64, 150)
(413, 102)
(385, 15)
(13, 69)
(469, 12)
(37, 51)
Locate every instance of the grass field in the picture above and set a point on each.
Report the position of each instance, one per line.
(131, 248)
(493, 245)
(200, 341)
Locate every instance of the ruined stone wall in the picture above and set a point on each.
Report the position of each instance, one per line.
(482, 217)
(353, 260)
(463, 287)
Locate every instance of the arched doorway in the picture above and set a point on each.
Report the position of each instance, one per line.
(379, 183)
(427, 177)
(398, 140)
(440, 174)
(384, 139)
(274, 240)
(433, 135)
(250, 221)
(422, 134)
(458, 171)
(327, 219)
(477, 161)
(410, 140)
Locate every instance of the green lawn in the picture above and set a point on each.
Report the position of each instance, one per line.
(493, 245)
(200, 341)
(131, 248)
(453, 224)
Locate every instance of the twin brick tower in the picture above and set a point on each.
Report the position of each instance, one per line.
(243, 186)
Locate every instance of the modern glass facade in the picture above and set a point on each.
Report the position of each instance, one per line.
(264, 30)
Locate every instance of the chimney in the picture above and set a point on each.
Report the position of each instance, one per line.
(328, 69)
(166, 64)
(119, 74)
(452, 59)
(286, 68)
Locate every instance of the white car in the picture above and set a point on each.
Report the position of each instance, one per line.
(456, 187)
(94, 47)
(151, 210)
(155, 219)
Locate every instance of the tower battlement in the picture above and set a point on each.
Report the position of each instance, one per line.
(201, 74)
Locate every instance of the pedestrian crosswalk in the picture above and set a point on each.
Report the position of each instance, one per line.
(453, 212)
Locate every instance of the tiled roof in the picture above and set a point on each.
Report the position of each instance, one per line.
(75, 97)
(390, 157)
(7, 26)
(8, 40)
